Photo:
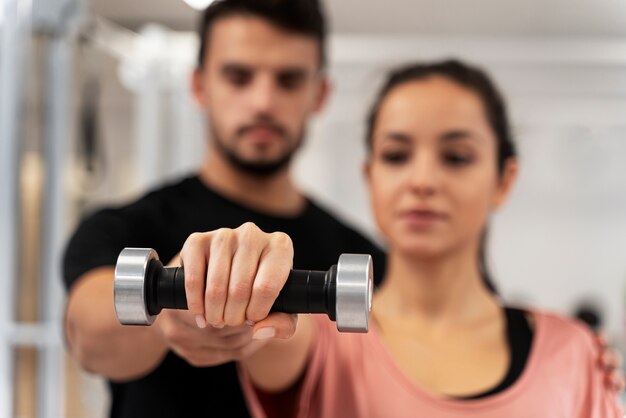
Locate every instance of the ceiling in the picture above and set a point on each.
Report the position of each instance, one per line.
(515, 18)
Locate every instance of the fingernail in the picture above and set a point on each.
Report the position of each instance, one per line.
(218, 326)
(250, 323)
(264, 333)
(200, 321)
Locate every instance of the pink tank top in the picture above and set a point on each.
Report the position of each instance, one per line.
(354, 375)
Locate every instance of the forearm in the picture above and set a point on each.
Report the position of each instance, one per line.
(278, 365)
(97, 340)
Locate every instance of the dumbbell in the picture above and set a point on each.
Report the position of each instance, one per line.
(143, 287)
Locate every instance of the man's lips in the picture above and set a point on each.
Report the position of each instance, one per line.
(261, 134)
(262, 131)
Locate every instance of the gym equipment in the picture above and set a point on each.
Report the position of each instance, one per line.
(143, 287)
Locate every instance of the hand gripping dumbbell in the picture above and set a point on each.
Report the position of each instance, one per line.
(143, 286)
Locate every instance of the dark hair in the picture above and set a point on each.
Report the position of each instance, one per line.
(304, 17)
(473, 79)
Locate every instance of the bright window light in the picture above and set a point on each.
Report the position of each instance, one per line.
(199, 4)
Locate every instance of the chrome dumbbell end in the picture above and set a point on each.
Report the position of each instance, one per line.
(130, 292)
(354, 292)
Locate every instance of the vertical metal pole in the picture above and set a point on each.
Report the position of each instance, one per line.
(58, 20)
(56, 145)
(14, 32)
(148, 127)
(186, 137)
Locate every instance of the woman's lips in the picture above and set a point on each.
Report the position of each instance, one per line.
(422, 217)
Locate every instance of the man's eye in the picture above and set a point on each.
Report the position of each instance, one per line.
(290, 81)
(238, 77)
(394, 157)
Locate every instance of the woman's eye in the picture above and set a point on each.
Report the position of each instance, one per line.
(458, 159)
(394, 157)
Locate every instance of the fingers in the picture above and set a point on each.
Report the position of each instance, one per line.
(234, 275)
(193, 257)
(244, 269)
(273, 271)
(223, 243)
(204, 347)
(611, 362)
(276, 325)
(611, 359)
(616, 381)
(601, 339)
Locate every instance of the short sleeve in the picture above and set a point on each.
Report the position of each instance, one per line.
(96, 242)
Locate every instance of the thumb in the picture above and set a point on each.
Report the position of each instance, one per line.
(276, 325)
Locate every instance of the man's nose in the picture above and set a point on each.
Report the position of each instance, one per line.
(264, 95)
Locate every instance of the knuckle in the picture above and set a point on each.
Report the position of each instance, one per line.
(239, 291)
(266, 290)
(222, 236)
(194, 282)
(281, 240)
(246, 235)
(194, 240)
(216, 294)
(255, 315)
(248, 228)
(171, 336)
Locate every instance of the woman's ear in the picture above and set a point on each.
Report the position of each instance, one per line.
(198, 88)
(506, 182)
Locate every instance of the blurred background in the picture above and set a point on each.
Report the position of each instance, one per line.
(94, 109)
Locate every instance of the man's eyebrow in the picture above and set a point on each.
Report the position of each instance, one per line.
(292, 70)
(398, 136)
(235, 66)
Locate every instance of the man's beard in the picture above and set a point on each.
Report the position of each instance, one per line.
(255, 168)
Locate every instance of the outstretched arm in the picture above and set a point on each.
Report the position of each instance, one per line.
(233, 277)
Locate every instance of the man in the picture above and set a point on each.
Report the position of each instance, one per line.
(260, 78)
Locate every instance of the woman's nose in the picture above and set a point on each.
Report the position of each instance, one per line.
(424, 174)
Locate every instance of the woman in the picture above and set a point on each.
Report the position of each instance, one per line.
(440, 161)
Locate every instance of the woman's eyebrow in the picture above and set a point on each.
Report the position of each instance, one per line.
(457, 135)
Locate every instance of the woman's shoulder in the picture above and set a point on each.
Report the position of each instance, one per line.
(558, 332)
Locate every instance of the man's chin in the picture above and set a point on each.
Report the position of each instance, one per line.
(261, 168)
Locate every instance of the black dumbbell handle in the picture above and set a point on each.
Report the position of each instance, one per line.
(306, 291)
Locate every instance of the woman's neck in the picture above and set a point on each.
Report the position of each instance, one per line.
(447, 289)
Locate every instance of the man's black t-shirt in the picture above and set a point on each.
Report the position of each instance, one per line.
(163, 220)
